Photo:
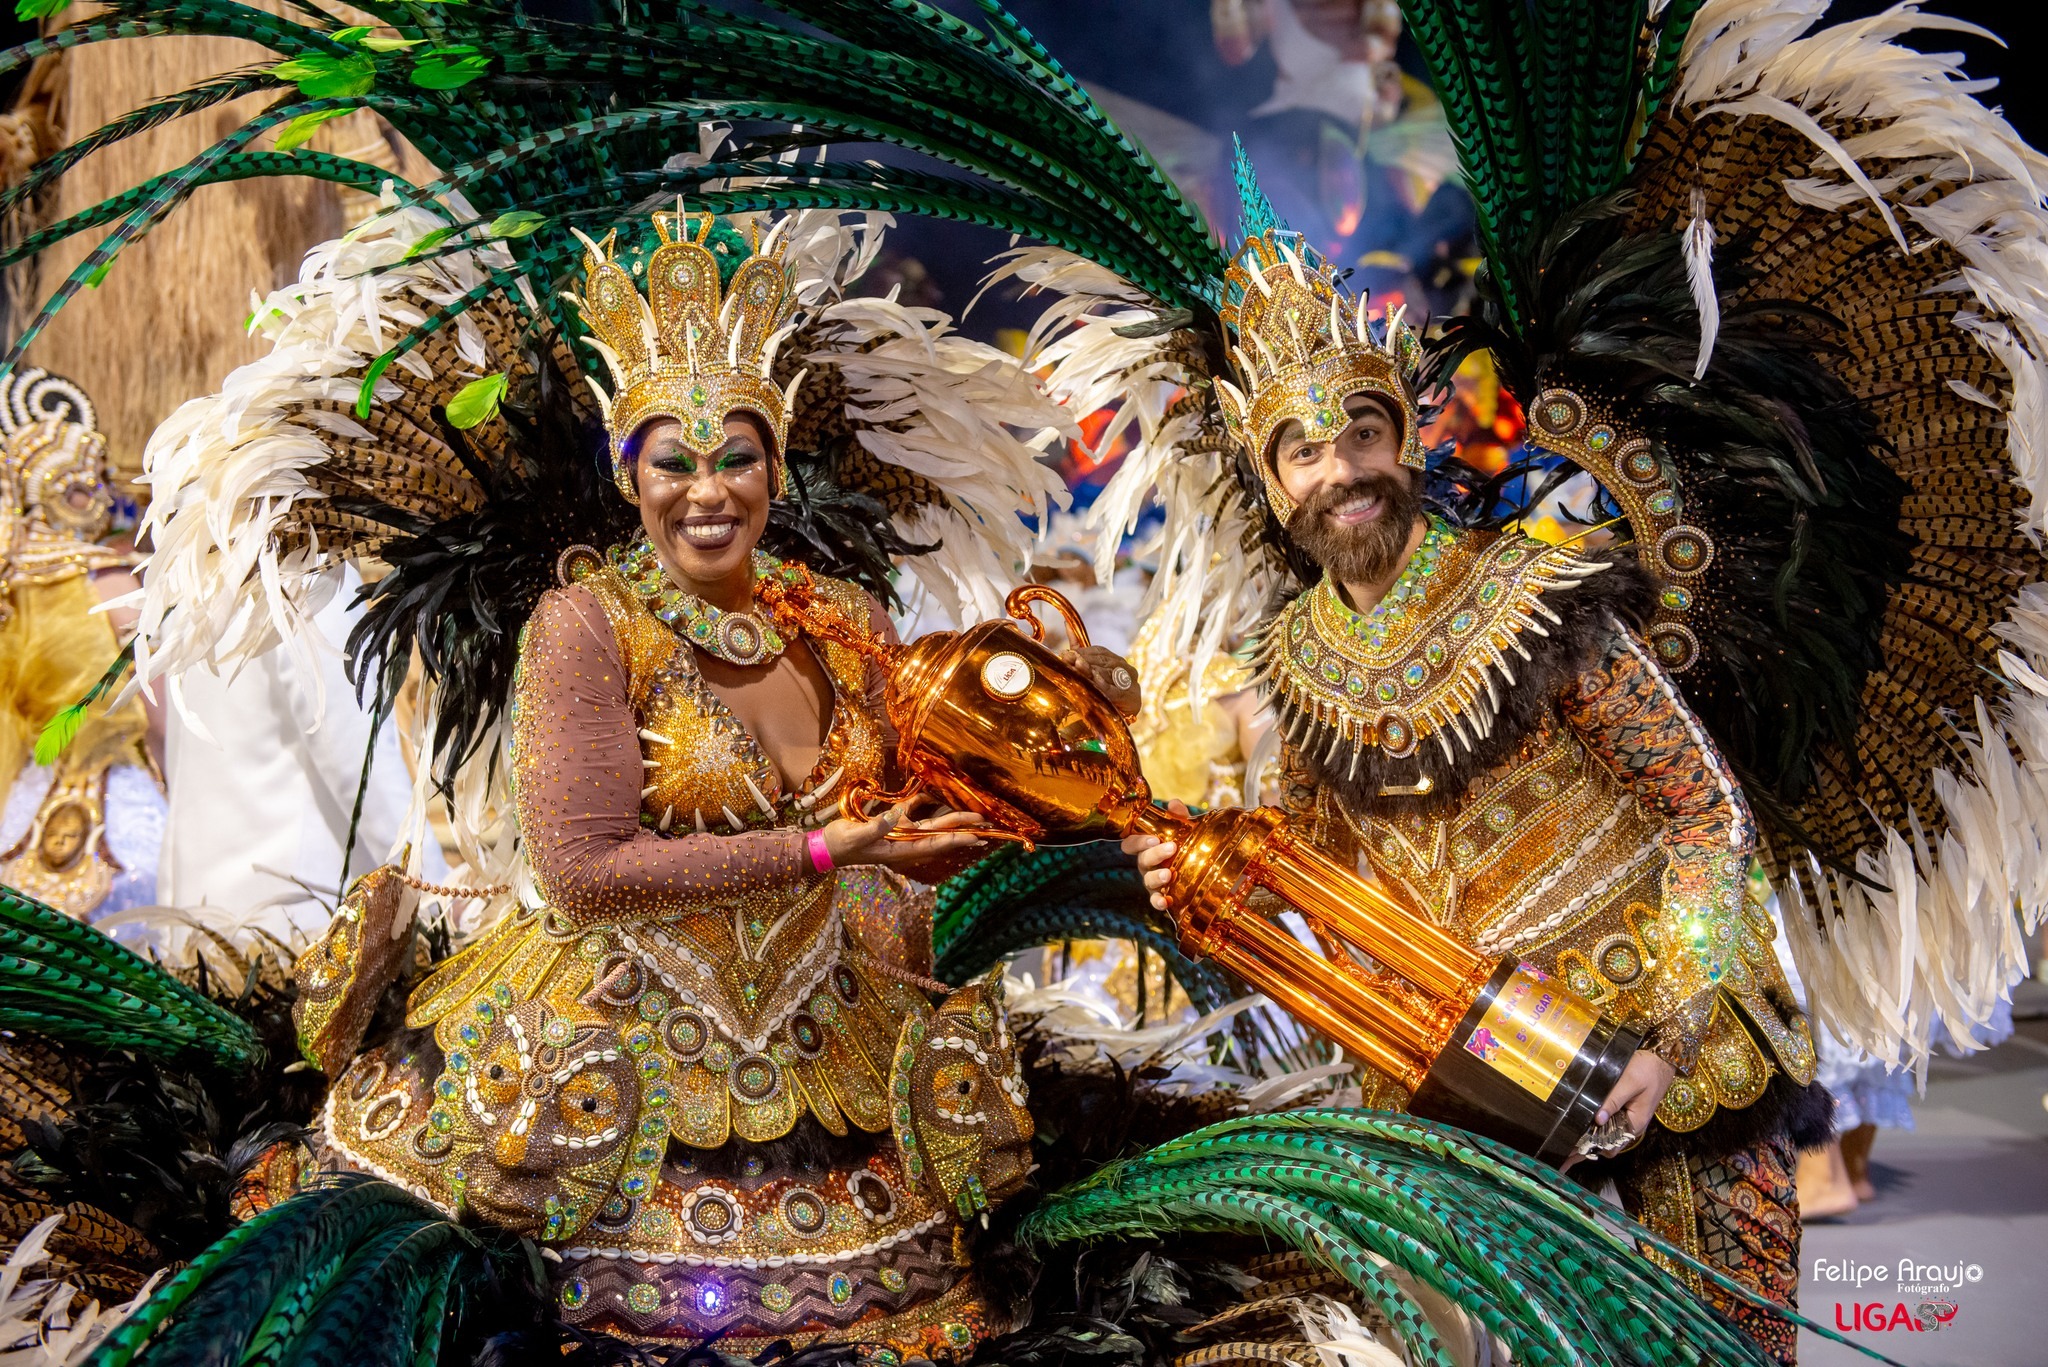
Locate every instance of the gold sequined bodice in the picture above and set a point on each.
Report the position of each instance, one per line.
(1596, 834)
(1551, 859)
(705, 771)
(1491, 868)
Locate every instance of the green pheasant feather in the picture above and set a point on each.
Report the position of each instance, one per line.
(526, 113)
(1538, 133)
(1558, 1276)
(354, 1270)
(1014, 900)
(67, 982)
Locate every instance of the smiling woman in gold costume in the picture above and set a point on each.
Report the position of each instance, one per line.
(692, 1069)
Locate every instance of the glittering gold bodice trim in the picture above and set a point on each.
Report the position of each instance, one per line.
(1531, 852)
(1549, 858)
(1433, 659)
(705, 770)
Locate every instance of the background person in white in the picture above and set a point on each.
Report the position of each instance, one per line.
(259, 815)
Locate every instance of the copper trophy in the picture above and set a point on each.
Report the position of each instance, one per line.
(991, 720)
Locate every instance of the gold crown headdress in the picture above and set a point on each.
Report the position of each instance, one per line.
(691, 349)
(1301, 349)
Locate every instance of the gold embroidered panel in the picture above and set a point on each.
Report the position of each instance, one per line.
(1432, 658)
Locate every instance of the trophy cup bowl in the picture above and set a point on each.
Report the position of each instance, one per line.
(991, 720)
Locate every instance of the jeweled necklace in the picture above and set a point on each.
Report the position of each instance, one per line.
(741, 638)
(1413, 586)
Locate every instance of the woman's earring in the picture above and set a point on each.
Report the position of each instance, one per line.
(778, 479)
(622, 475)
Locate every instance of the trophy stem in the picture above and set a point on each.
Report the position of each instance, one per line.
(1312, 989)
(1488, 1044)
(1363, 913)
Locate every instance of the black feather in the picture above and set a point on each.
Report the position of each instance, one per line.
(1779, 466)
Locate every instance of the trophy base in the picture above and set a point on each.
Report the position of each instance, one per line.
(1483, 1089)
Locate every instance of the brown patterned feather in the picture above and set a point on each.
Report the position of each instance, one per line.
(1899, 351)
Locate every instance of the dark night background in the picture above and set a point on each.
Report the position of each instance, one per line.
(1161, 53)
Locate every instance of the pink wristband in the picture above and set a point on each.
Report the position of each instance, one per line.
(821, 853)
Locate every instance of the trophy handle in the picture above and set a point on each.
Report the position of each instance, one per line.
(1018, 605)
(858, 796)
(854, 801)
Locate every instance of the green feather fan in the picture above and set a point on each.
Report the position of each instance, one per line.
(1555, 1274)
(1538, 134)
(67, 982)
(354, 1271)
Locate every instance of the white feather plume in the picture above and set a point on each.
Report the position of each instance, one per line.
(964, 415)
(1212, 572)
(1699, 273)
(224, 471)
(1934, 934)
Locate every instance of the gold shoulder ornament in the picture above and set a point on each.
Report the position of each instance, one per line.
(1431, 657)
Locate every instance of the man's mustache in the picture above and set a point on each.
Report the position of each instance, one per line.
(1325, 501)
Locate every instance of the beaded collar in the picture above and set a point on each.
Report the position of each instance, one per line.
(1423, 661)
(741, 638)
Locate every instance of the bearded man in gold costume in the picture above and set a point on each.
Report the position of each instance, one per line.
(1475, 718)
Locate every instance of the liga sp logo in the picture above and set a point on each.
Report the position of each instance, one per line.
(1875, 1317)
(1924, 1294)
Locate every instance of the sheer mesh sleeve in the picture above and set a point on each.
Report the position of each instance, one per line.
(577, 775)
(877, 690)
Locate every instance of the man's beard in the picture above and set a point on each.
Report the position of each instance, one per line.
(1370, 551)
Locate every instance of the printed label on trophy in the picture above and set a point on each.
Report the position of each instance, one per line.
(1006, 675)
(1532, 1032)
